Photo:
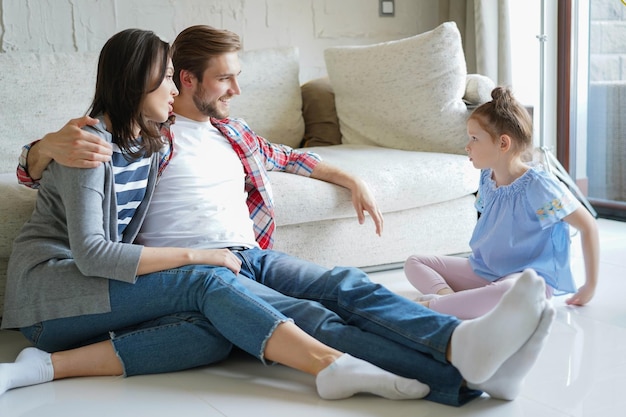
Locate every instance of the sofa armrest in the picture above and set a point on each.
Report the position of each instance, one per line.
(16, 206)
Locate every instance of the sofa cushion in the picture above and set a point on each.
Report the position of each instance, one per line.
(270, 101)
(321, 126)
(404, 94)
(400, 180)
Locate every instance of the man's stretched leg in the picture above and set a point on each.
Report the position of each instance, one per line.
(373, 308)
(355, 298)
(444, 380)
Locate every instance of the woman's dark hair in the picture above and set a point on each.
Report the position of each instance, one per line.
(132, 64)
(504, 115)
(194, 47)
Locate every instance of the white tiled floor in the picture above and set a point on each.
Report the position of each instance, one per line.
(581, 372)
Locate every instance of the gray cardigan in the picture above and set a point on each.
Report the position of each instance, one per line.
(64, 256)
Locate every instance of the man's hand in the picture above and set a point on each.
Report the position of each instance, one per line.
(362, 198)
(363, 201)
(70, 146)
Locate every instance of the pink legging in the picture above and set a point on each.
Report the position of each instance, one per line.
(473, 296)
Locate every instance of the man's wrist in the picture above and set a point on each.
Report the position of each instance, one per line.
(37, 160)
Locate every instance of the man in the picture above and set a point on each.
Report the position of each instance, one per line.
(340, 307)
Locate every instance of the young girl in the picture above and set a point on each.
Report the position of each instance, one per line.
(525, 213)
(77, 285)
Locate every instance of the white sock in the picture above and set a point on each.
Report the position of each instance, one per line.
(428, 297)
(348, 376)
(507, 382)
(32, 366)
(480, 346)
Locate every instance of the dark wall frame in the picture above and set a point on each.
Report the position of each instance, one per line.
(564, 79)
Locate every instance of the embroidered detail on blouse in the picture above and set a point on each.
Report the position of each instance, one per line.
(552, 208)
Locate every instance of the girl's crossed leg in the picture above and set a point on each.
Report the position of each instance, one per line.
(450, 286)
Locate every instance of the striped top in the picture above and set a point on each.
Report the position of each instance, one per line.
(131, 179)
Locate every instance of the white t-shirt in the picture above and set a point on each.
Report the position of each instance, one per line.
(199, 201)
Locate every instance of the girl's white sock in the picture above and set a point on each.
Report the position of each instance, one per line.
(32, 366)
(348, 376)
(428, 297)
(480, 346)
(506, 383)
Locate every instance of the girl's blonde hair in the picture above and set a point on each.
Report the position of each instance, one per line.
(504, 115)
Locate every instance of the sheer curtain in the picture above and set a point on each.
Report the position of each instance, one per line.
(485, 30)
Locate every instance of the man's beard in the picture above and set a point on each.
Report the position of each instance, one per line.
(206, 108)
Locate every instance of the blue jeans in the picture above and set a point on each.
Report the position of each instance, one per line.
(159, 324)
(162, 324)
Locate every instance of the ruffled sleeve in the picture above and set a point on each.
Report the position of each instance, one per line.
(550, 199)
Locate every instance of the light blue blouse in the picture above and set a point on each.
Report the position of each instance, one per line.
(521, 227)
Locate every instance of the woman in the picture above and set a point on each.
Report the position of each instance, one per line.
(78, 286)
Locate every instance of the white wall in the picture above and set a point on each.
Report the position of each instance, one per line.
(311, 25)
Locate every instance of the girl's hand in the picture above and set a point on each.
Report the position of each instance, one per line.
(219, 257)
(582, 297)
(582, 220)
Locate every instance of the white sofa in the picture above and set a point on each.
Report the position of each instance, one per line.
(400, 117)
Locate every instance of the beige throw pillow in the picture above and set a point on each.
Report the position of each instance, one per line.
(404, 94)
(321, 126)
(478, 89)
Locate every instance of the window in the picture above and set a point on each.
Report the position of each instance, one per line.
(591, 108)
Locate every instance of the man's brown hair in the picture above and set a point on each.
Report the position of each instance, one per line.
(195, 46)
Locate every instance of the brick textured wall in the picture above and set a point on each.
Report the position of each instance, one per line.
(607, 40)
(606, 149)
